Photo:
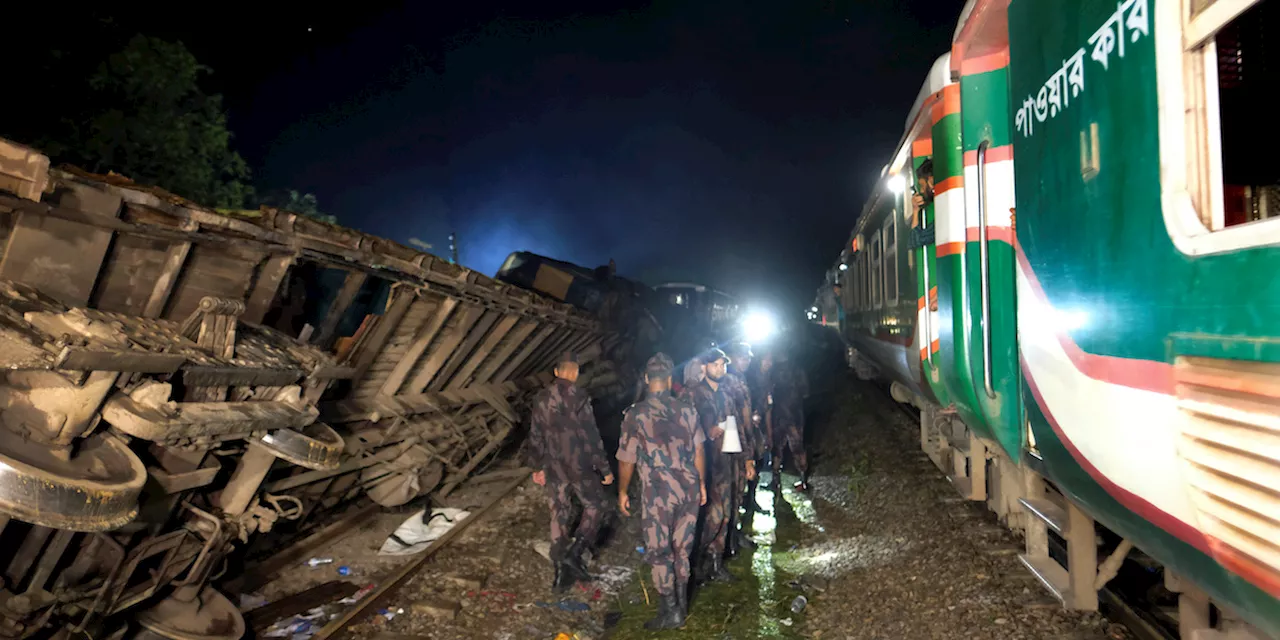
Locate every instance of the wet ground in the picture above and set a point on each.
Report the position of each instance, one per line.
(881, 547)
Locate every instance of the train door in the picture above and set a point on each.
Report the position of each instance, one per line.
(981, 58)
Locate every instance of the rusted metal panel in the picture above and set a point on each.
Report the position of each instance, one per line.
(59, 257)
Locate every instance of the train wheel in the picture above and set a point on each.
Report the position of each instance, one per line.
(93, 487)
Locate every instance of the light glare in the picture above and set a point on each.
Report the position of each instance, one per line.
(896, 183)
(758, 326)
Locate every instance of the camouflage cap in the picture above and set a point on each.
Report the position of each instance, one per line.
(711, 355)
(659, 365)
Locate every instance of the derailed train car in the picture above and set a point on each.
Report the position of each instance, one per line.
(1085, 311)
(181, 385)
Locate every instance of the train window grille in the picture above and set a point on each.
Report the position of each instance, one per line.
(890, 236)
(877, 272)
(1230, 71)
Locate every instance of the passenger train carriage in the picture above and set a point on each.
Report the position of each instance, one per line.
(1087, 310)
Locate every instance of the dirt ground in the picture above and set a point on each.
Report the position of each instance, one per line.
(881, 547)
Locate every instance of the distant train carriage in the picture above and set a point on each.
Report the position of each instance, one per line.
(1085, 308)
(715, 312)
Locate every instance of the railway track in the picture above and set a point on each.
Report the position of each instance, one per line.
(1138, 617)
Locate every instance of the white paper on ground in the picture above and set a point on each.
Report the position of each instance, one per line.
(413, 536)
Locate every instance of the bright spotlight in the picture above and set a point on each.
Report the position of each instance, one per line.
(844, 267)
(758, 326)
(896, 183)
(813, 309)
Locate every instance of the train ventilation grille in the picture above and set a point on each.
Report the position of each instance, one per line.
(1230, 442)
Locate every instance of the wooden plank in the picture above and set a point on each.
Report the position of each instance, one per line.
(464, 352)
(514, 340)
(499, 331)
(387, 324)
(420, 343)
(449, 342)
(387, 586)
(169, 271)
(270, 274)
(508, 367)
(338, 309)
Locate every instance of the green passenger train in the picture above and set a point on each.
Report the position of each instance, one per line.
(1087, 308)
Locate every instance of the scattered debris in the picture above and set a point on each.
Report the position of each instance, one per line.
(420, 531)
(315, 562)
(270, 615)
(799, 604)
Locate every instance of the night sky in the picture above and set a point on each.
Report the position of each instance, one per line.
(730, 143)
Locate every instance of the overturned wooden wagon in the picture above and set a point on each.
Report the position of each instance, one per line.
(178, 382)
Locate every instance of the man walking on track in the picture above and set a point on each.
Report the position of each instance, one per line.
(564, 444)
(715, 410)
(790, 388)
(661, 435)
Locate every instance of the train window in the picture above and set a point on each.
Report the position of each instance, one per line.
(890, 236)
(877, 273)
(1221, 181)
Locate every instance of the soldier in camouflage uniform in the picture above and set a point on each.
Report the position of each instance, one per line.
(564, 444)
(661, 435)
(790, 388)
(760, 381)
(753, 445)
(714, 405)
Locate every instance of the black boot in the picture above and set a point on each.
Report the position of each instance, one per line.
(682, 599)
(731, 541)
(718, 573)
(575, 553)
(803, 485)
(564, 578)
(669, 616)
(744, 541)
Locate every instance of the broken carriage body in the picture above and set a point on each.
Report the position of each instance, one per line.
(185, 390)
(1111, 364)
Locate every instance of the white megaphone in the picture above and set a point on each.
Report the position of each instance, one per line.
(731, 442)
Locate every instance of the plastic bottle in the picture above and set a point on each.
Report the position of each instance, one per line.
(799, 604)
(315, 562)
(344, 570)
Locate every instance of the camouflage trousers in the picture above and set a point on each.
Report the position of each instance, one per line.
(561, 494)
(722, 499)
(790, 435)
(669, 523)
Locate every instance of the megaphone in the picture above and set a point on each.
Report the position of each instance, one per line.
(731, 442)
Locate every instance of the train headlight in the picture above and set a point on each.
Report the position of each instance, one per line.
(758, 326)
